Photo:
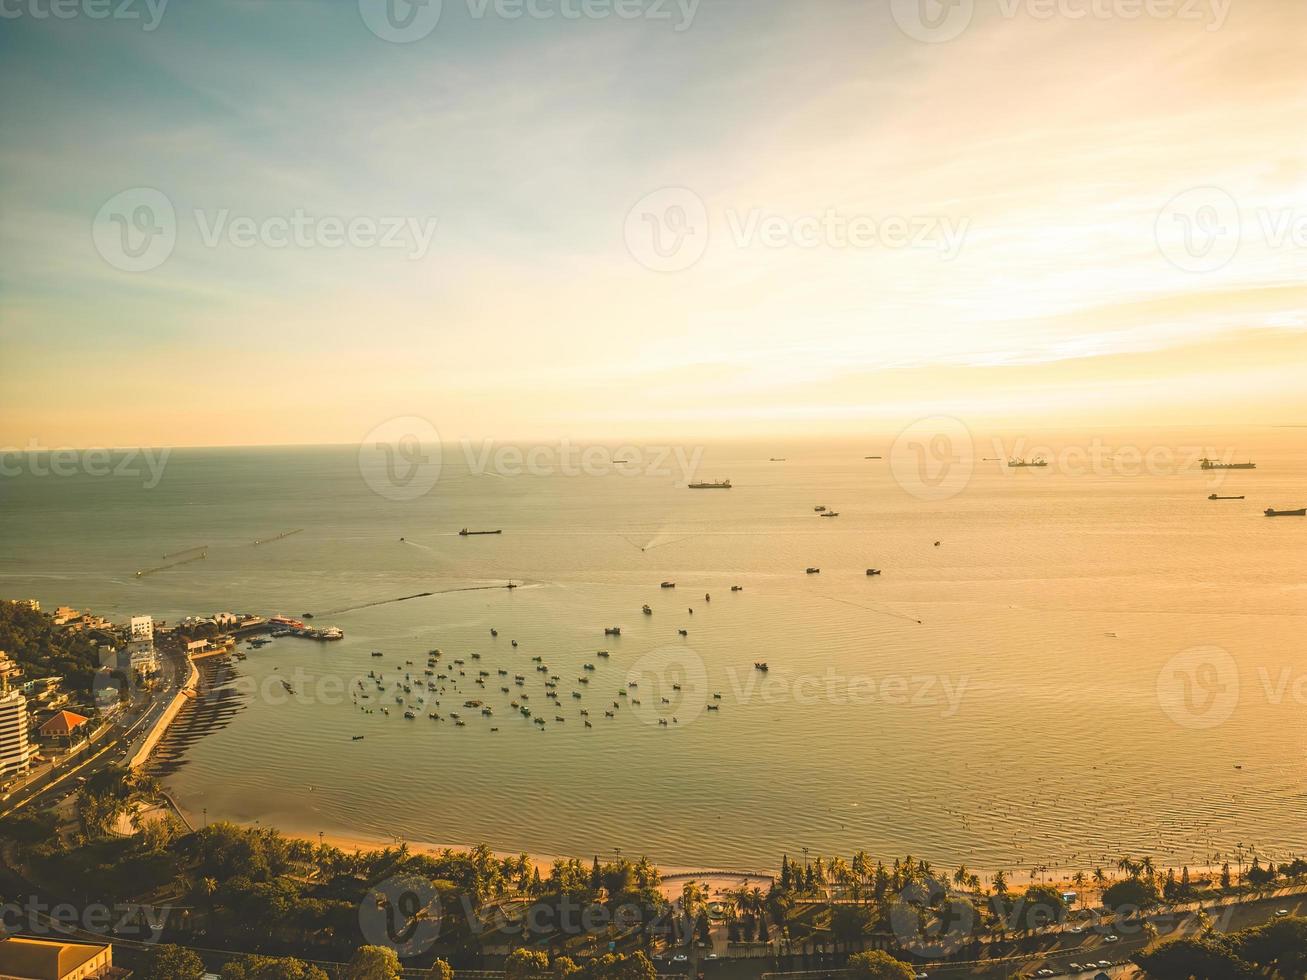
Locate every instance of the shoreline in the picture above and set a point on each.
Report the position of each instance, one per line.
(673, 877)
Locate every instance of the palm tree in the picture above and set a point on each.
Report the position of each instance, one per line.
(961, 876)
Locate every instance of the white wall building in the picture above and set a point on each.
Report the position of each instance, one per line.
(143, 628)
(16, 750)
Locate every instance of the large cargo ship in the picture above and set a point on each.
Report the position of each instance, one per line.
(1302, 512)
(1214, 464)
(723, 485)
(1037, 461)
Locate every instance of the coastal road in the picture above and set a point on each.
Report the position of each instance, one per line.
(114, 749)
(1062, 950)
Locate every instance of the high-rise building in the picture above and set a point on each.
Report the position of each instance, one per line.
(143, 628)
(16, 749)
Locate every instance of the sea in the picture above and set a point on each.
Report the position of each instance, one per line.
(1058, 665)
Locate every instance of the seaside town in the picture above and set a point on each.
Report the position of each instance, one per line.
(87, 705)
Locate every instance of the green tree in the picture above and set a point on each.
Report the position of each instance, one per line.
(270, 968)
(373, 963)
(878, 965)
(1140, 893)
(1041, 905)
(1181, 959)
(168, 962)
(522, 964)
(440, 970)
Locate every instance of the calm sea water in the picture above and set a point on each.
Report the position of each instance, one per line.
(1093, 661)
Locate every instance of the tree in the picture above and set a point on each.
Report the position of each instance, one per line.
(1181, 959)
(623, 966)
(1040, 906)
(1138, 893)
(440, 970)
(373, 963)
(522, 964)
(878, 965)
(168, 962)
(270, 968)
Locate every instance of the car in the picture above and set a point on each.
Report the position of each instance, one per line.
(1077, 930)
(1279, 913)
(1103, 964)
(680, 958)
(1112, 939)
(921, 976)
(1074, 967)
(1045, 972)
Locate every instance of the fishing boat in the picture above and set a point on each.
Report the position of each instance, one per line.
(684, 632)
(722, 485)
(613, 631)
(646, 610)
(761, 665)
(1301, 512)
(830, 513)
(357, 738)
(1215, 496)
(813, 571)
(737, 588)
(667, 585)
(601, 653)
(465, 533)
(873, 571)
(819, 508)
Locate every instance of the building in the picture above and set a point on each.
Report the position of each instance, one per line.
(16, 749)
(31, 604)
(63, 724)
(142, 628)
(140, 656)
(8, 668)
(64, 615)
(40, 959)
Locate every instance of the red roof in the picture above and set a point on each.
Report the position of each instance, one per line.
(64, 723)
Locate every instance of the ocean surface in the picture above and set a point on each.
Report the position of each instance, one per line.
(1058, 665)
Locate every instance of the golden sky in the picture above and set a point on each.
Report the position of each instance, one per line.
(1083, 217)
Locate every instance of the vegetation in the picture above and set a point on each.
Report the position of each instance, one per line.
(1277, 949)
(878, 965)
(169, 962)
(46, 650)
(270, 968)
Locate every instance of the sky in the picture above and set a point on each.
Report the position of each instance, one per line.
(288, 221)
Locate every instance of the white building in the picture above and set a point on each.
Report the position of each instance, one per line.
(16, 750)
(143, 628)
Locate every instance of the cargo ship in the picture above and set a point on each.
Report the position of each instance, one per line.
(1213, 464)
(723, 485)
(465, 533)
(1217, 496)
(1301, 512)
(1037, 461)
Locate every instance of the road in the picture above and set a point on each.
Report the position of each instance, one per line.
(114, 749)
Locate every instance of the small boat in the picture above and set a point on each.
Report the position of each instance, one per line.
(813, 570)
(714, 707)
(873, 571)
(409, 715)
(761, 665)
(707, 597)
(873, 457)
(613, 631)
(819, 508)
(307, 616)
(377, 653)
(494, 632)
(723, 485)
(465, 533)
(602, 653)
(737, 588)
(667, 585)
(684, 632)
(1216, 496)
(830, 513)
(646, 610)
(776, 459)
(357, 738)
(1037, 461)
(1301, 512)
